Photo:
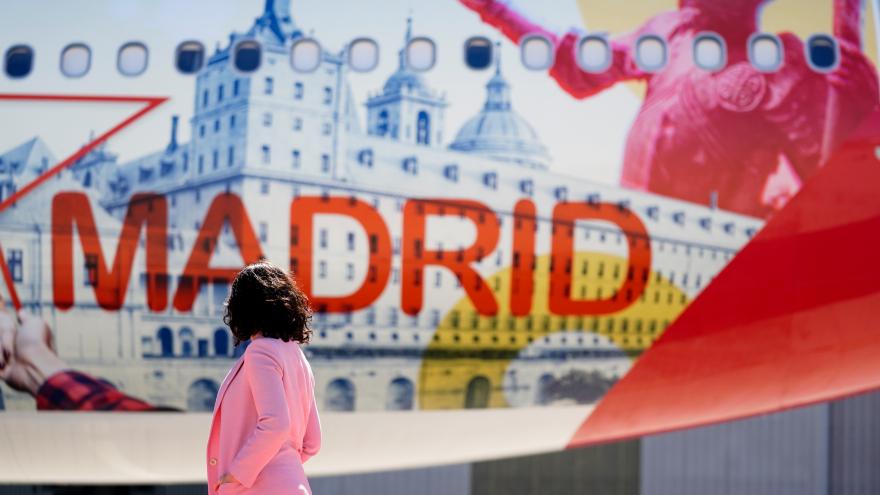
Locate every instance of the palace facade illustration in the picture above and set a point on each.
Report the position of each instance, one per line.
(275, 135)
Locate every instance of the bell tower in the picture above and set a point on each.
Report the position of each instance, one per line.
(406, 109)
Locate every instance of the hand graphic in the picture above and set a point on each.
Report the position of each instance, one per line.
(27, 350)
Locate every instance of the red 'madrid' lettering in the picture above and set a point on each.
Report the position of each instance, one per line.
(146, 210)
(522, 273)
(564, 217)
(149, 212)
(225, 207)
(302, 214)
(416, 257)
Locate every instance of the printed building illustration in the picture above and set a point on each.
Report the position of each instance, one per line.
(275, 135)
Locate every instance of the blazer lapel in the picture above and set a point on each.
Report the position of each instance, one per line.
(226, 381)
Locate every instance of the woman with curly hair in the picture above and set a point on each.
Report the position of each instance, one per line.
(265, 423)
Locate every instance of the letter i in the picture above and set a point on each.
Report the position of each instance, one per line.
(522, 276)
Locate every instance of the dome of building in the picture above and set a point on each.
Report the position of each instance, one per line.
(503, 135)
(498, 132)
(404, 80)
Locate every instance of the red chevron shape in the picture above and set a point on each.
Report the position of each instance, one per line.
(150, 103)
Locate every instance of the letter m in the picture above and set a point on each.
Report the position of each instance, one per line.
(145, 210)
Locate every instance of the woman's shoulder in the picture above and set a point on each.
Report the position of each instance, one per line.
(273, 346)
(263, 346)
(263, 343)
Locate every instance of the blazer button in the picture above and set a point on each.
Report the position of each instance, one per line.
(213, 461)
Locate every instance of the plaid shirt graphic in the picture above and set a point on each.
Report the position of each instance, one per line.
(72, 390)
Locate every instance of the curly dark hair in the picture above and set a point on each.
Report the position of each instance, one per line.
(265, 298)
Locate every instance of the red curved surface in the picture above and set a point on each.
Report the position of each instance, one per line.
(792, 320)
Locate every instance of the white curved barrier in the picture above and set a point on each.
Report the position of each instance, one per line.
(155, 447)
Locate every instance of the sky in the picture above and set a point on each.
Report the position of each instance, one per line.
(585, 137)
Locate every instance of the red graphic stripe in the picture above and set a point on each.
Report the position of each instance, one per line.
(150, 104)
(789, 322)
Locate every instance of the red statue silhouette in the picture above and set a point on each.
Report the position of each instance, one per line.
(725, 132)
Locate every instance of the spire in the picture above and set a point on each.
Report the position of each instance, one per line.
(406, 39)
(497, 89)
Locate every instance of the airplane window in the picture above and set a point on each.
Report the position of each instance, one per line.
(765, 52)
(19, 61)
(421, 54)
(190, 57)
(536, 52)
(594, 53)
(247, 55)
(822, 52)
(651, 53)
(709, 52)
(76, 59)
(305, 55)
(363, 55)
(478, 53)
(132, 59)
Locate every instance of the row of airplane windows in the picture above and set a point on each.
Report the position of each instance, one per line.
(594, 54)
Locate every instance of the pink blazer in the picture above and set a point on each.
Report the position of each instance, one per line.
(265, 423)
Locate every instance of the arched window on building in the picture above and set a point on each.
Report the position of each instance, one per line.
(423, 128)
(340, 395)
(477, 394)
(187, 339)
(382, 123)
(166, 341)
(201, 395)
(400, 394)
(221, 342)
